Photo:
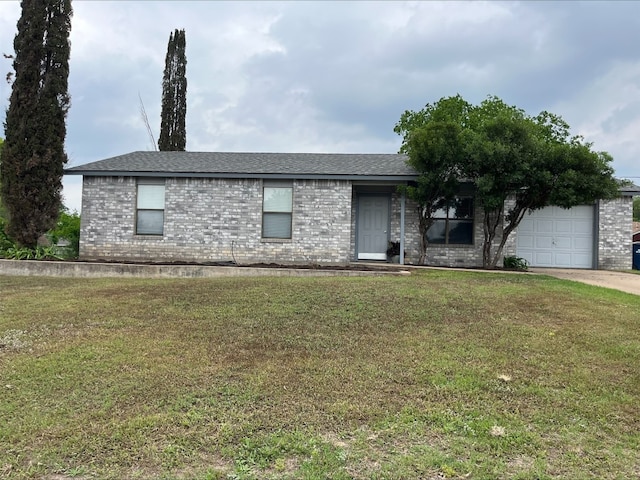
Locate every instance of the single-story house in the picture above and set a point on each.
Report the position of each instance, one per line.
(636, 232)
(312, 208)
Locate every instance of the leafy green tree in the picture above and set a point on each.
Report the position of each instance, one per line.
(33, 156)
(636, 209)
(67, 228)
(521, 163)
(534, 162)
(497, 151)
(173, 134)
(431, 141)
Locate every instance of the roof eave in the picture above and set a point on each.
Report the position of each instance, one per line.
(284, 176)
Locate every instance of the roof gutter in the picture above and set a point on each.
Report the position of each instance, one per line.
(287, 176)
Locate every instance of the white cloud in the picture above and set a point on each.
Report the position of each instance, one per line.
(607, 113)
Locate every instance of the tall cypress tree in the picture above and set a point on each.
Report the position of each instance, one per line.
(33, 156)
(173, 133)
(2, 214)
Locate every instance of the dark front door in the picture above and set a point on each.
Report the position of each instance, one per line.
(373, 226)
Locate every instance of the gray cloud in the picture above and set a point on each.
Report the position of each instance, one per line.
(335, 76)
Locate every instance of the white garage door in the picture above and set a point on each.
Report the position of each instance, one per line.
(557, 237)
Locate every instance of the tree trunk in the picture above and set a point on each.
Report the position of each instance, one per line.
(515, 217)
(425, 223)
(423, 241)
(491, 222)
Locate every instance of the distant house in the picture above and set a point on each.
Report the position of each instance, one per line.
(313, 208)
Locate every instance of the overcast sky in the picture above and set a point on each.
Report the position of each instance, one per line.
(336, 76)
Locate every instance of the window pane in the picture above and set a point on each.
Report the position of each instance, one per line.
(278, 199)
(461, 208)
(150, 222)
(460, 231)
(440, 212)
(276, 225)
(151, 197)
(436, 232)
(440, 209)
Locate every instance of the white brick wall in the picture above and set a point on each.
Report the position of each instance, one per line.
(614, 238)
(218, 220)
(214, 220)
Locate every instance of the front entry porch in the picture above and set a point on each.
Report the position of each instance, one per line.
(374, 215)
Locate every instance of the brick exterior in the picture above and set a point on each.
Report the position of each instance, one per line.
(220, 220)
(614, 238)
(214, 220)
(465, 256)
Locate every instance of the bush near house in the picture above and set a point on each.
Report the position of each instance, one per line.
(5, 241)
(64, 241)
(66, 234)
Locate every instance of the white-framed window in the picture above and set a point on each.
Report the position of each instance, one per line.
(453, 224)
(150, 206)
(277, 208)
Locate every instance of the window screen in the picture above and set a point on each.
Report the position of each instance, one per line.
(277, 210)
(150, 208)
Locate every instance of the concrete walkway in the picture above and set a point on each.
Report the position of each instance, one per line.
(625, 282)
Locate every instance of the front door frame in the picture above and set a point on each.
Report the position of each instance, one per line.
(382, 194)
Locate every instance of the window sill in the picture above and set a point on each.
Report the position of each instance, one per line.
(275, 240)
(149, 236)
(450, 245)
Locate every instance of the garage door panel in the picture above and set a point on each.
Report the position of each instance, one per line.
(583, 227)
(557, 237)
(525, 227)
(542, 259)
(582, 243)
(526, 241)
(543, 226)
(528, 256)
(584, 259)
(543, 241)
(563, 260)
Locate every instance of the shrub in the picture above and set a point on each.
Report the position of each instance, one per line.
(26, 253)
(5, 242)
(516, 263)
(67, 228)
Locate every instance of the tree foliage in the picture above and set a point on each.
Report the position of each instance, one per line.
(518, 163)
(33, 156)
(636, 209)
(173, 134)
(431, 140)
(67, 229)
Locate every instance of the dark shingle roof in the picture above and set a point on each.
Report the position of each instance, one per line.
(630, 190)
(251, 165)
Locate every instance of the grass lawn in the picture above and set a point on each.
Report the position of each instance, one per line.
(440, 374)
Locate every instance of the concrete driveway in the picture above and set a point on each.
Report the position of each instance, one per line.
(625, 282)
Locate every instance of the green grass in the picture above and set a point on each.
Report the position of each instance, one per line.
(437, 375)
